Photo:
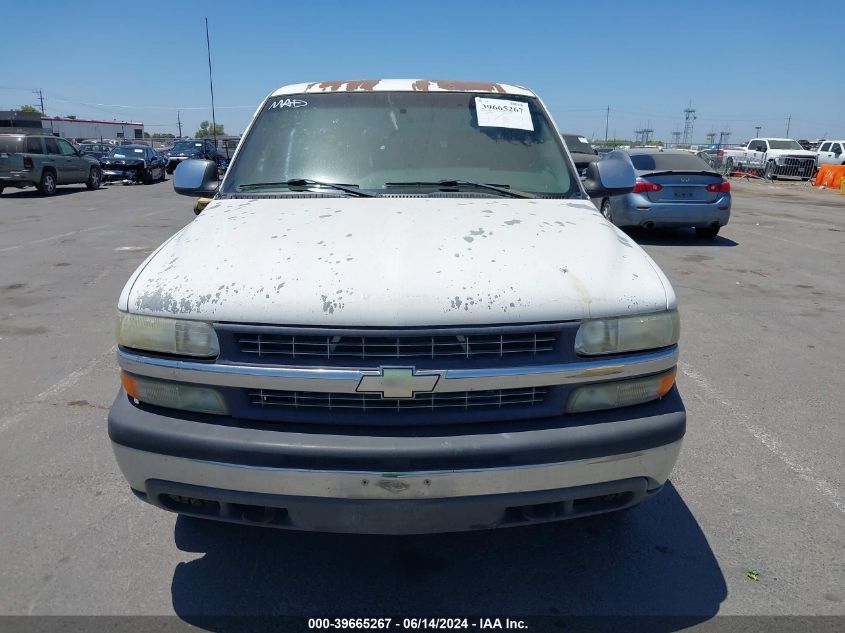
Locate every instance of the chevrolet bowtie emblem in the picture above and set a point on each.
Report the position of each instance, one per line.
(398, 382)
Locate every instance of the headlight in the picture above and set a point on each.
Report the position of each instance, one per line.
(167, 336)
(628, 334)
(622, 393)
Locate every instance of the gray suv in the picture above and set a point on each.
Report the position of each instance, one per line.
(44, 162)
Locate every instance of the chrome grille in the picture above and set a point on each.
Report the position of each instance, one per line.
(495, 399)
(278, 345)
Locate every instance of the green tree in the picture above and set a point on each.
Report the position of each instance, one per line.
(147, 135)
(70, 116)
(30, 108)
(207, 129)
(163, 135)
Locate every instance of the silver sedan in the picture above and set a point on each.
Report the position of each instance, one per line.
(674, 189)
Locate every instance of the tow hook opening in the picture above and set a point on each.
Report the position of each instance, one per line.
(239, 512)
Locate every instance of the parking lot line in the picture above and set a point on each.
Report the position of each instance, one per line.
(62, 385)
(77, 232)
(736, 227)
(768, 440)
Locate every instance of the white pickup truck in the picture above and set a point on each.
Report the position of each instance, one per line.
(400, 313)
(831, 153)
(771, 157)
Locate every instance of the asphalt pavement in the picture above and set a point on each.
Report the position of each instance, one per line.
(758, 487)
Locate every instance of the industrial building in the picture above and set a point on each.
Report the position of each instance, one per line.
(79, 129)
(18, 122)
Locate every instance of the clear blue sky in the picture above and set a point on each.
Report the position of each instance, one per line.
(741, 63)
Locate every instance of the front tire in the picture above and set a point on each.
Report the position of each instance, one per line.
(146, 177)
(769, 174)
(95, 177)
(706, 233)
(606, 211)
(47, 185)
(729, 167)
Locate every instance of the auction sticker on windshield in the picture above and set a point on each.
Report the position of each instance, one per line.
(503, 113)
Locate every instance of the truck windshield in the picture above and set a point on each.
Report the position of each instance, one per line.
(784, 144)
(368, 139)
(187, 146)
(577, 143)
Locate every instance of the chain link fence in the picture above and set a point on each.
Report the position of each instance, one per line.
(737, 161)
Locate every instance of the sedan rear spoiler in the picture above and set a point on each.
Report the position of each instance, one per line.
(694, 172)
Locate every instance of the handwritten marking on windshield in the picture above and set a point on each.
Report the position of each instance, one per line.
(288, 103)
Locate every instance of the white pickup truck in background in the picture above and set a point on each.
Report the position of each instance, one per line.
(772, 157)
(831, 153)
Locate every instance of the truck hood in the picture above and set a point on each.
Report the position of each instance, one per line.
(397, 262)
(798, 153)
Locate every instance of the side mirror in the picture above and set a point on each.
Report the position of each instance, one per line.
(195, 177)
(610, 177)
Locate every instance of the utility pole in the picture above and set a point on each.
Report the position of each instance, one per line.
(606, 123)
(788, 123)
(676, 137)
(179, 122)
(757, 129)
(211, 85)
(40, 96)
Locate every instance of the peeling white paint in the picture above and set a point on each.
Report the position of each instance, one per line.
(391, 261)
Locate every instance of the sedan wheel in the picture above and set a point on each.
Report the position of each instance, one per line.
(606, 212)
(707, 233)
(94, 178)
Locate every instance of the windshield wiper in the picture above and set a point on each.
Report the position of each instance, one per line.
(457, 184)
(307, 182)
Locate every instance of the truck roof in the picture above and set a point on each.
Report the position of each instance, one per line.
(403, 85)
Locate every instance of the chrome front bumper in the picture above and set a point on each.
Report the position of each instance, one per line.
(396, 503)
(347, 380)
(139, 466)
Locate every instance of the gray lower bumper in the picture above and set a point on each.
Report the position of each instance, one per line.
(397, 516)
(410, 484)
